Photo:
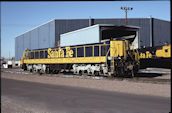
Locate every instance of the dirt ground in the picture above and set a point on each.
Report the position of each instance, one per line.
(12, 106)
(124, 86)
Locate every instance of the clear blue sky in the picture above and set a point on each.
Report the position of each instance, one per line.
(19, 17)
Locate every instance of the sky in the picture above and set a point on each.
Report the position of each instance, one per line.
(19, 17)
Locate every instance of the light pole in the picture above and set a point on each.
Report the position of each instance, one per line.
(126, 8)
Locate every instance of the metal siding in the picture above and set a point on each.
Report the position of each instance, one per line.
(64, 26)
(27, 40)
(44, 37)
(58, 29)
(34, 39)
(52, 33)
(16, 49)
(40, 37)
(144, 32)
(20, 43)
(161, 31)
(83, 36)
(109, 21)
(22, 48)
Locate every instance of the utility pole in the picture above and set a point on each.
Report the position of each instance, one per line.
(126, 8)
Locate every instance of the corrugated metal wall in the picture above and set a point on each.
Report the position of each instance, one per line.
(16, 48)
(19, 46)
(34, 38)
(64, 26)
(48, 34)
(40, 37)
(160, 28)
(161, 32)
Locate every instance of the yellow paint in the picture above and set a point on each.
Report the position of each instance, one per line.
(116, 48)
(107, 55)
(93, 50)
(137, 58)
(99, 50)
(164, 52)
(148, 54)
(76, 51)
(44, 53)
(55, 54)
(84, 51)
(66, 60)
(60, 53)
(69, 52)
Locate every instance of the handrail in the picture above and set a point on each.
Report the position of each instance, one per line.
(76, 47)
(107, 54)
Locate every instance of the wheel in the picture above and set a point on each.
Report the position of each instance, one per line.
(39, 72)
(96, 73)
(80, 73)
(57, 71)
(47, 71)
(132, 73)
(24, 67)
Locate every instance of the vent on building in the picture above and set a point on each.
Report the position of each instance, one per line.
(91, 21)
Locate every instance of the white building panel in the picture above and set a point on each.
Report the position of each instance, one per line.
(82, 36)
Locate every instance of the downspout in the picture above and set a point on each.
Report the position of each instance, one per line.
(151, 33)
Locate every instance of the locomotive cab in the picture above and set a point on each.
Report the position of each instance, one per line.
(123, 60)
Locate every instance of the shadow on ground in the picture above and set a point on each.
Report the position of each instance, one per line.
(147, 75)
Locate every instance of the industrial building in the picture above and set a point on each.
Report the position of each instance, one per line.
(152, 32)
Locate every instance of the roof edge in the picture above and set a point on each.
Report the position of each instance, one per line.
(35, 27)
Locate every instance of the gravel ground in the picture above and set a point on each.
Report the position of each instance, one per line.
(124, 86)
(167, 76)
(9, 105)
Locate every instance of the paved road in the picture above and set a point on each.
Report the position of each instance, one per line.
(38, 97)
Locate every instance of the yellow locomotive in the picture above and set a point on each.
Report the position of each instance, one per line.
(111, 58)
(159, 56)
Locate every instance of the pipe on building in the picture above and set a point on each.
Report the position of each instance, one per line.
(91, 21)
(151, 33)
